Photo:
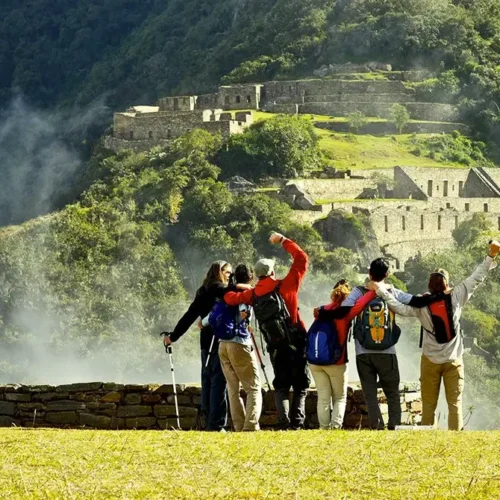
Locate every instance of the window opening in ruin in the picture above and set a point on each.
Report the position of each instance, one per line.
(176, 104)
(249, 99)
(169, 134)
(238, 99)
(437, 187)
(422, 222)
(448, 205)
(386, 223)
(226, 100)
(439, 222)
(456, 221)
(460, 188)
(131, 135)
(290, 89)
(467, 207)
(150, 134)
(486, 207)
(429, 188)
(403, 223)
(398, 264)
(445, 188)
(453, 187)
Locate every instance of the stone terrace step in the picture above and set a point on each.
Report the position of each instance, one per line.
(387, 128)
(418, 110)
(365, 98)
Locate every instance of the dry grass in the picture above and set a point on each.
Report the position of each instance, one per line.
(309, 465)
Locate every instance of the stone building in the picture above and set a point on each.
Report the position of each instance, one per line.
(143, 127)
(438, 201)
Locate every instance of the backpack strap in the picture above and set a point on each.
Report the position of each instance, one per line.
(421, 343)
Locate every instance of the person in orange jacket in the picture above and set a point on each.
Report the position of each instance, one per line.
(289, 361)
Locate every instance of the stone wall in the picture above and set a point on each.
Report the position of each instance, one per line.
(116, 144)
(358, 98)
(335, 189)
(240, 96)
(388, 128)
(418, 111)
(117, 406)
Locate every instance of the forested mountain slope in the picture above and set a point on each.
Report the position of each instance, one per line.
(134, 51)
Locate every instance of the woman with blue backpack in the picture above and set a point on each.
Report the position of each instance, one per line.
(327, 356)
(231, 326)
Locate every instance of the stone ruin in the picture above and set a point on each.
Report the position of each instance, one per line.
(98, 405)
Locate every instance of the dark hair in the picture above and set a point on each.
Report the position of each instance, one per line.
(379, 269)
(243, 274)
(215, 273)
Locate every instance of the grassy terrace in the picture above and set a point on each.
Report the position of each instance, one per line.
(307, 464)
(357, 152)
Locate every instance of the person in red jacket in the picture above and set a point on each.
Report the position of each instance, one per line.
(289, 361)
(331, 380)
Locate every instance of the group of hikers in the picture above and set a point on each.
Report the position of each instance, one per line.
(226, 302)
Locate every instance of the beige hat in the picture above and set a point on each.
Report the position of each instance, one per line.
(264, 267)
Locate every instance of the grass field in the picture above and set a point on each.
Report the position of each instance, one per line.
(305, 465)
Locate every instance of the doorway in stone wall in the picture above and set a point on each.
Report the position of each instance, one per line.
(429, 188)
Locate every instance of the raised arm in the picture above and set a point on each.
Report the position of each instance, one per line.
(463, 292)
(299, 266)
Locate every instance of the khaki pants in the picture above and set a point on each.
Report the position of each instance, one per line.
(452, 374)
(331, 382)
(240, 366)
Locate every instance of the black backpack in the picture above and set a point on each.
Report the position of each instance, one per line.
(274, 319)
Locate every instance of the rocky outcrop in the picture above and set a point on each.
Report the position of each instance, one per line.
(238, 184)
(99, 405)
(298, 198)
(352, 231)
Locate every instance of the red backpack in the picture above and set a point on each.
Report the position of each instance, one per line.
(442, 321)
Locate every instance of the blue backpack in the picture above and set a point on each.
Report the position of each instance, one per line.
(323, 346)
(226, 323)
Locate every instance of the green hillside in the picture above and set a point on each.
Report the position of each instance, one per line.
(277, 465)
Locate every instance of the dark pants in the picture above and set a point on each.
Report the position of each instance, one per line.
(290, 372)
(385, 366)
(213, 391)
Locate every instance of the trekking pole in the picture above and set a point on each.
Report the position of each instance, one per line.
(210, 352)
(168, 349)
(259, 357)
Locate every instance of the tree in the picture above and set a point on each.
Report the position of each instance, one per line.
(399, 116)
(356, 120)
(469, 231)
(283, 147)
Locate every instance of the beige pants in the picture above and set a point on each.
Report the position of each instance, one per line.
(452, 374)
(331, 382)
(240, 366)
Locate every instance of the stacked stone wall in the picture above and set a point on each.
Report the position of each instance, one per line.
(161, 125)
(388, 128)
(360, 98)
(335, 189)
(240, 96)
(418, 111)
(117, 144)
(116, 406)
(434, 182)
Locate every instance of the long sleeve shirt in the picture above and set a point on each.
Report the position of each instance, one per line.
(289, 285)
(199, 308)
(461, 294)
(343, 324)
